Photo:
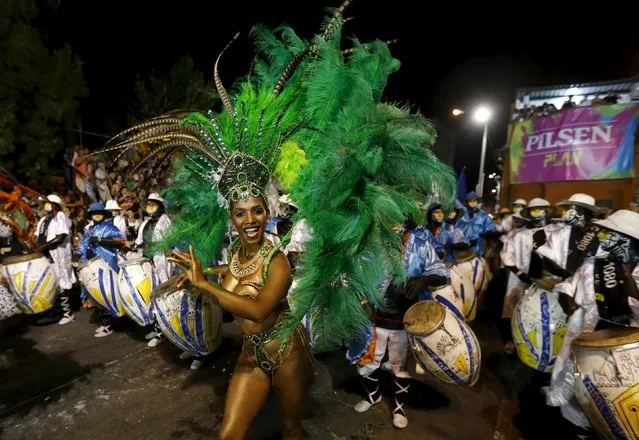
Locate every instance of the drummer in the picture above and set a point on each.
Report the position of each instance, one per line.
(604, 292)
(153, 230)
(566, 248)
(120, 221)
(424, 270)
(458, 219)
(518, 257)
(53, 233)
(507, 224)
(446, 237)
(102, 239)
(479, 220)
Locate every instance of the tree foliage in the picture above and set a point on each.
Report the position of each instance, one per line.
(40, 89)
(182, 87)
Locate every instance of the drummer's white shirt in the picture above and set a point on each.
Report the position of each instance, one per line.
(61, 255)
(160, 261)
(120, 222)
(581, 287)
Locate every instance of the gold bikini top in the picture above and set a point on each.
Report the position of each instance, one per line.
(258, 262)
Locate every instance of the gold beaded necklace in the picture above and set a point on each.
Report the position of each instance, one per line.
(241, 270)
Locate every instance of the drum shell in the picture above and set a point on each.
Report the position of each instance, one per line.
(188, 319)
(538, 327)
(468, 277)
(607, 388)
(447, 296)
(101, 284)
(136, 281)
(450, 352)
(33, 282)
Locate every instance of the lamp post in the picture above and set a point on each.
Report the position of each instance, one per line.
(482, 115)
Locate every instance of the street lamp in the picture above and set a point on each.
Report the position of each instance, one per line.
(457, 112)
(482, 116)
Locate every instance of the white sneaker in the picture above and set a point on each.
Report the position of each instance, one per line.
(103, 332)
(196, 364)
(400, 421)
(185, 355)
(151, 335)
(365, 404)
(154, 342)
(66, 319)
(100, 329)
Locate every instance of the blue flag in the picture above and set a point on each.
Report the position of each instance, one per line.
(461, 185)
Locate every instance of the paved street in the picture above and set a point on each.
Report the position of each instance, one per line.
(59, 382)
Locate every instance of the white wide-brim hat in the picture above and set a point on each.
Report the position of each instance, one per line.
(112, 205)
(155, 197)
(581, 200)
(538, 203)
(55, 199)
(623, 221)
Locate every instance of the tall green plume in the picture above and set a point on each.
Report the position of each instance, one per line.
(369, 167)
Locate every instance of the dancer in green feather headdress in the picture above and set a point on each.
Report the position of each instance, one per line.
(310, 120)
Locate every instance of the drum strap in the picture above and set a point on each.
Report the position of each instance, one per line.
(583, 243)
(147, 233)
(610, 293)
(42, 232)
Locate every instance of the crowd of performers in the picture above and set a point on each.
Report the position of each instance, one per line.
(316, 215)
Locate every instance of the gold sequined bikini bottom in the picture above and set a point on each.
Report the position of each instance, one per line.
(255, 346)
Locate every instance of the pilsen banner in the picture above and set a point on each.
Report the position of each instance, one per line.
(585, 143)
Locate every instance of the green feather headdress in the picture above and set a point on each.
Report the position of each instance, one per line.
(311, 115)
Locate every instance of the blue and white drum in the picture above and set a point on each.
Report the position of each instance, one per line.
(32, 280)
(137, 279)
(606, 370)
(538, 327)
(442, 343)
(468, 277)
(187, 318)
(447, 296)
(101, 284)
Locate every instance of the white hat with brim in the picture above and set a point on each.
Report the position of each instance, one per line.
(582, 200)
(623, 221)
(521, 202)
(55, 199)
(155, 197)
(538, 203)
(112, 205)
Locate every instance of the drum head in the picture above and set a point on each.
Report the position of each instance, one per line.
(134, 261)
(424, 317)
(609, 338)
(20, 258)
(465, 256)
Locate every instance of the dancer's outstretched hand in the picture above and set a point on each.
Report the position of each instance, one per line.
(191, 266)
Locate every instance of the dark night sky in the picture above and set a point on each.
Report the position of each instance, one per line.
(451, 54)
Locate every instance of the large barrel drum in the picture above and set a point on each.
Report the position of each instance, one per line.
(32, 280)
(136, 281)
(101, 284)
(606, 368)
(442, 343)
(187, 318)
(538, 328)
